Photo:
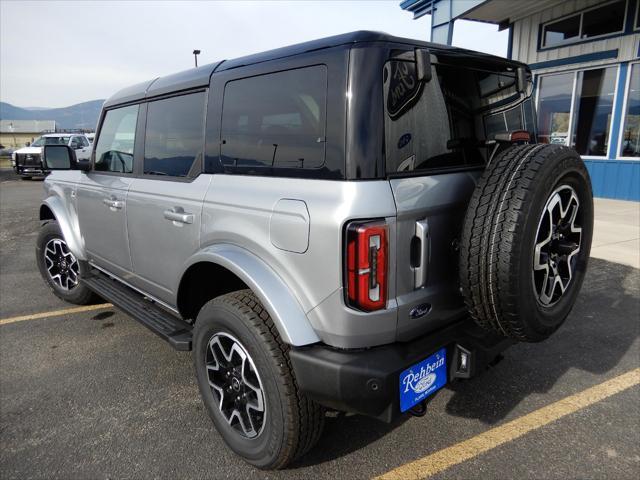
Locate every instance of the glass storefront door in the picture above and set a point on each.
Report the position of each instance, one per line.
(575, 109)
(630, 142)
(554, 108)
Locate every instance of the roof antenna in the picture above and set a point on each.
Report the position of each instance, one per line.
(195, 56)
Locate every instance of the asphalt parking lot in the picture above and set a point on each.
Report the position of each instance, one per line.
(96, 395)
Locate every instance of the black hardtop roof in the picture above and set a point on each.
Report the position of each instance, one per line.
(200, 76)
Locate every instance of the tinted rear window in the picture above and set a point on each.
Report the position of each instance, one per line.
(445, 122)
(276, 120)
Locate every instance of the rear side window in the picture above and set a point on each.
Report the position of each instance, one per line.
(276, 120)
(114, 149)
(445, 122)
(174, 135)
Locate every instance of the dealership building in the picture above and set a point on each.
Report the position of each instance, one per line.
(585, 57)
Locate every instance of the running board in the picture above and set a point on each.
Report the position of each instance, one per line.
(175, 331)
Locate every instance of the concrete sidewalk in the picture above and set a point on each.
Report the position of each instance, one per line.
(616, 235)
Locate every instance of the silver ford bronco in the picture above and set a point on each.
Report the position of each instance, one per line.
(347, 224)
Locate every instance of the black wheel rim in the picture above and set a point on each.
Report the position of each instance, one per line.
(236, 385)
(558, 241)
(62, 267)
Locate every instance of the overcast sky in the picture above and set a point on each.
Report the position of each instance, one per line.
(55, 54)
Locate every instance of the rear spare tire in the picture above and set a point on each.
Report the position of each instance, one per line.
(526, 240)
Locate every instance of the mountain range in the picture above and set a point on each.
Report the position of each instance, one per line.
(82, 115)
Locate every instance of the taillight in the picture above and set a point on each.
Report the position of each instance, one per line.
(367, 260)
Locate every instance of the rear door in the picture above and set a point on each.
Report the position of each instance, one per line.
(435, 152)
(102, 192)
(164, 204)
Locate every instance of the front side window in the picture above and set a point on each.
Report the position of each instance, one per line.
(276, 120)
(58, 140)
(631, 127)
(174, 135)
(114, 147)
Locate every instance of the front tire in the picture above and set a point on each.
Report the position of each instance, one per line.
(58, 267)
(248, 386)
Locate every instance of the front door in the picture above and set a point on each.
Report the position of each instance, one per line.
(102, 193)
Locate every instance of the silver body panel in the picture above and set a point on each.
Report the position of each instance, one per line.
(436, 203)
(103, 223)
(282, 237)
(153, 236)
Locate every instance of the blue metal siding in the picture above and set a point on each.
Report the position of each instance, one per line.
(615, 178)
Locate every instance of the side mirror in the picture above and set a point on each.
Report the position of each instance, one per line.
(27, 144)
(58, 157)
(423, 65)
(84, 165)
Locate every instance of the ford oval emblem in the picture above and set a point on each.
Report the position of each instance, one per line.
(420, 311)
(424, 383)
(404, 140)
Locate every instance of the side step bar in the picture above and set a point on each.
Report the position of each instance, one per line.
(175, 331)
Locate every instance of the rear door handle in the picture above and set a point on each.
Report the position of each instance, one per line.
(420, 271)
(178, 215)
(113, 203)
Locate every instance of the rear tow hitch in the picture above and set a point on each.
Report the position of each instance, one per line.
(419, 410)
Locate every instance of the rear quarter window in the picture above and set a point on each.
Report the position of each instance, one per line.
(275, 121)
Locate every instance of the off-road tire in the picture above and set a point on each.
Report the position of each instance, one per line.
(499, 235)
(293, 422)
(80, 294)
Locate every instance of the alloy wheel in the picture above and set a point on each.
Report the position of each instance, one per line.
(236, 384)
(62, 267)
(558, 241)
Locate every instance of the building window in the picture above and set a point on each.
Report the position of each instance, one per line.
(596, 22)
(630, 144)
(575, 109)
(554, 108)
(562, 31)
(594, 106)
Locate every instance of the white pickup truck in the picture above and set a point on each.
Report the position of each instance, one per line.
(27, 161)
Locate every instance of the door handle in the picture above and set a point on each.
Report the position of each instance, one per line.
(113, 203)
(420, 271)
(178, 215)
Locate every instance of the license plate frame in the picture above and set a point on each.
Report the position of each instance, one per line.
(422, 379)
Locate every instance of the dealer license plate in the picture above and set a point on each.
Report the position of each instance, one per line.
(423, 379)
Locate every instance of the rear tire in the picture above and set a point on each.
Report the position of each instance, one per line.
(520, 229)
(285, 424)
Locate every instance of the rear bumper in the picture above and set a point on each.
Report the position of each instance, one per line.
(366, 381)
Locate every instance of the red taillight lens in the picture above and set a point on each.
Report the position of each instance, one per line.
(366, 258)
